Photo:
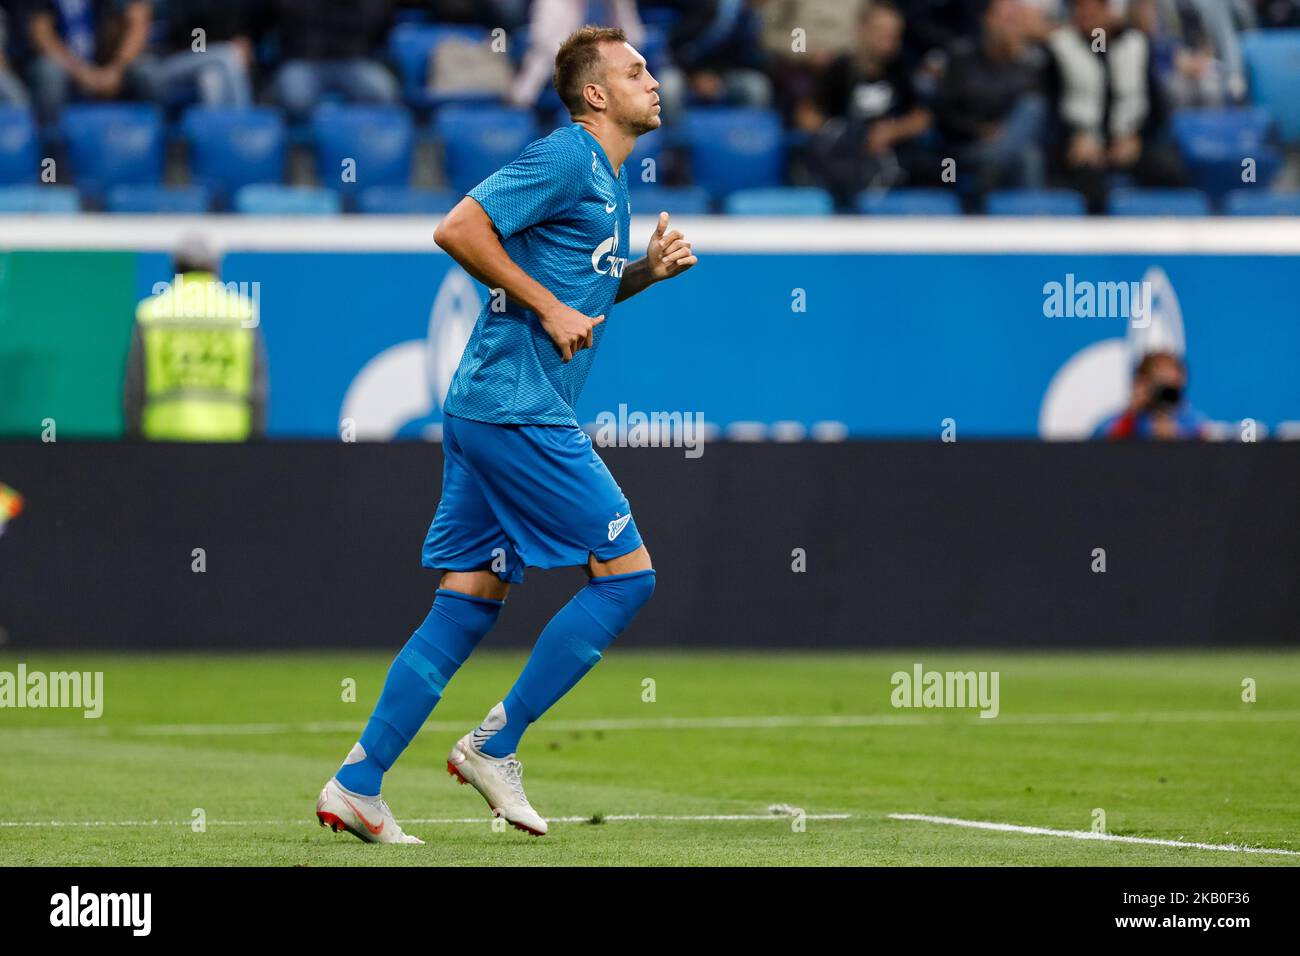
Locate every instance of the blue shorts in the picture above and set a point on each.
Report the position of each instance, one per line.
(516, 496)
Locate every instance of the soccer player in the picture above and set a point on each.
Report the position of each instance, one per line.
(522, 485)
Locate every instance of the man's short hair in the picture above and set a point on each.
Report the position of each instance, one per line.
(195, 254)
(578, 63)
(1149, 361)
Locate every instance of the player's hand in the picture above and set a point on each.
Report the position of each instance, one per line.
(669, 253)
(569, 329)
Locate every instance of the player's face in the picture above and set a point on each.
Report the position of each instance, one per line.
(633, 92)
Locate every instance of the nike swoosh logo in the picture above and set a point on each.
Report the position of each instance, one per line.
(616, 527)
(376, 830)
(610, 207)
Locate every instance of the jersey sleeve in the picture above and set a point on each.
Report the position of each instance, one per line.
(536, 187)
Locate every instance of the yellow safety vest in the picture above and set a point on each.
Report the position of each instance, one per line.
(198, 362)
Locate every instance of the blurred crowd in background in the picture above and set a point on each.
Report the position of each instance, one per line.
(927, 106)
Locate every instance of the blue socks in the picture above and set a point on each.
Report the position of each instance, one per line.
(569, 646)
(454, 627)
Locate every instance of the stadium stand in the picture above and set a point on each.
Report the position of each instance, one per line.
(50, 200)
(165, 200)
(405, 201)
(19, 156)
(675, 200)
(1273, 59)
(1035, 202)
(232, 148)
(273, 200)
(1215, 143)
(735, 148)
(780, 201)
(908, 202)
(415, 47)
(459, 93)
(478, 140)
(113, 144)
(1252, 202)
(1158, 202)
(360, 146)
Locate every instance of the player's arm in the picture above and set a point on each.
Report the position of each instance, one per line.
(669, 254)
(469, 237)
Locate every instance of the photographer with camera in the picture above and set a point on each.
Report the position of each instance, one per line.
(1158, 406)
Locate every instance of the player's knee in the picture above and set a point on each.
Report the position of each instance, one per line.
(478, 584)
(615, 599)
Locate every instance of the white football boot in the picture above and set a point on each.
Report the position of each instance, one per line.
(498, 779)
(367, 818)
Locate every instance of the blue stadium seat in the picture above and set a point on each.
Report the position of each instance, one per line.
(262, 199)
(476, 141)
(908, 202)
(780, 201)
(1253, 202)
(650, 199)
(1035, 202)
(1214, 144)
(113, 143)
(735, 148)
(147, 200)
(1273, 63)
(19, 157)
(380, 139)
(231, 148)
(1157, 202)
(48, 200)
(404, 201)
(410, 46)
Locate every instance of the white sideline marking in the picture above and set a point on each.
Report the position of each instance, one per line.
(1087, 835)
(654, 817)
(750, 722)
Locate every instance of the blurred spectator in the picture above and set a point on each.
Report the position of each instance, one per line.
(212, 66)
(1277, 14)
(1194, 44)
(802, 38)
(197, 366)
(1107, 104)
(92, 46)
(864, 115)
(328, 46)
(507, 14)
(12, 91)
(932, 28)
(718, 46)
(989, 109)
(553, 20)
(1042, 17)
(1158, 404)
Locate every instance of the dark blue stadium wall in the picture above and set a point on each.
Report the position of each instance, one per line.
(966, 544)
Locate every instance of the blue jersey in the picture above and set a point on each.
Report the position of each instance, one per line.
(564, 218)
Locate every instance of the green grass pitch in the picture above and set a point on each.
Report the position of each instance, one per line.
(1161, 742)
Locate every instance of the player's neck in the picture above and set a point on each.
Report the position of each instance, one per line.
(616, 142)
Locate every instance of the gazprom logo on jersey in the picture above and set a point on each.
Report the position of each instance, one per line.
(399, 389)
(605, 261)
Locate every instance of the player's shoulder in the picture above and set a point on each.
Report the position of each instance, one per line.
(564, 146)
